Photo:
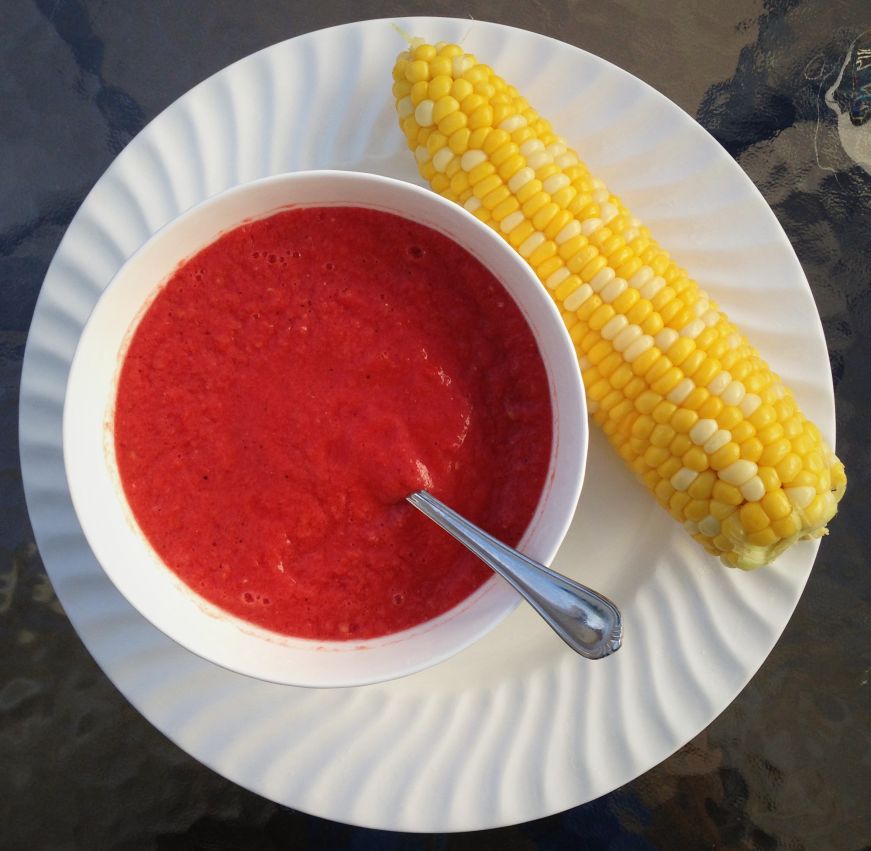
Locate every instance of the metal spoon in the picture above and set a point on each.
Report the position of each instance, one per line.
(588, 622)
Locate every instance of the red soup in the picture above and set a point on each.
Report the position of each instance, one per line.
(292, 383)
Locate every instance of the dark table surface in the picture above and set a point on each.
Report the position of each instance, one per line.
(787, 765)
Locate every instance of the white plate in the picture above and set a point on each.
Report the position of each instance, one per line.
(515, 727)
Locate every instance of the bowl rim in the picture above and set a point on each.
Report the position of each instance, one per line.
(469, 223)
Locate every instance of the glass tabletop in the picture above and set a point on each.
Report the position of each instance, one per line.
(786, 765)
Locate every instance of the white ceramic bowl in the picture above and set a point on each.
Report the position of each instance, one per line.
(127, 557)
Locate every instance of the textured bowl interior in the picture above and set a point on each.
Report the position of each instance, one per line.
(131, 563)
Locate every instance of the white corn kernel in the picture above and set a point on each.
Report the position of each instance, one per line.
(442, 159)
(511, 221)
(566, 160)
(733, 394)
(710, 526)
(614, 326)
(683, 478)
(578, 297)
(753, 489)
(749, 404)
(692, 329)
(423, 113)
(590, 226)
(739, 472)
(571, 230)
(472, 203)
(461, 64)
(602, 279)
(703, 431)
(719, 383)
(520, 178)
(538, 159)
(405, 107)
(421, 154)
(530, 243)
(613, 289)
(800, 497)
(641, 277)
(600, 196)
(691, 526)
(711, 317)
(556, 278)
(638, 348)
(626, 338)
(530, 146)
(701, 305)
(471, 159)
(665, 339)
(652, 287)
(556, 148)
(717, 440)
(608, 212)
(629, 234)
(683, 389)
(555, 182)
(734, 341)
(512, 123)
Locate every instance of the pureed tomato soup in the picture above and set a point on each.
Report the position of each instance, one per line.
(292, 383)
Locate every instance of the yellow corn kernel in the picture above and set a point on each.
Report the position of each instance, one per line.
(770, 479)
(764, 537)
(703, 485)
(643, 427)
(789, 467)
(417, 71)
(660, 367)
(786, 527)
(680, 445)
(439, 87)
(730, 417)
(751, 449)
(461, 89)
(662, 435)
(647, 402)
(726, 493)
(425, 52)
(753, 518)
(776, 505)
(695, 459)
(711, 408)
(721, 510)
(725, 456)
(684, 419)
(678, 503)
(642, 364)
(440, 67)
(741, 431)
(662, 489)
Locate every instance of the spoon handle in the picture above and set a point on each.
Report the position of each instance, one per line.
(588, 622)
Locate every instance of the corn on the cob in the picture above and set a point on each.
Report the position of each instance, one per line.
(681, 394)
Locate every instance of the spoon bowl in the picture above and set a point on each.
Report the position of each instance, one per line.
(584, 619)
